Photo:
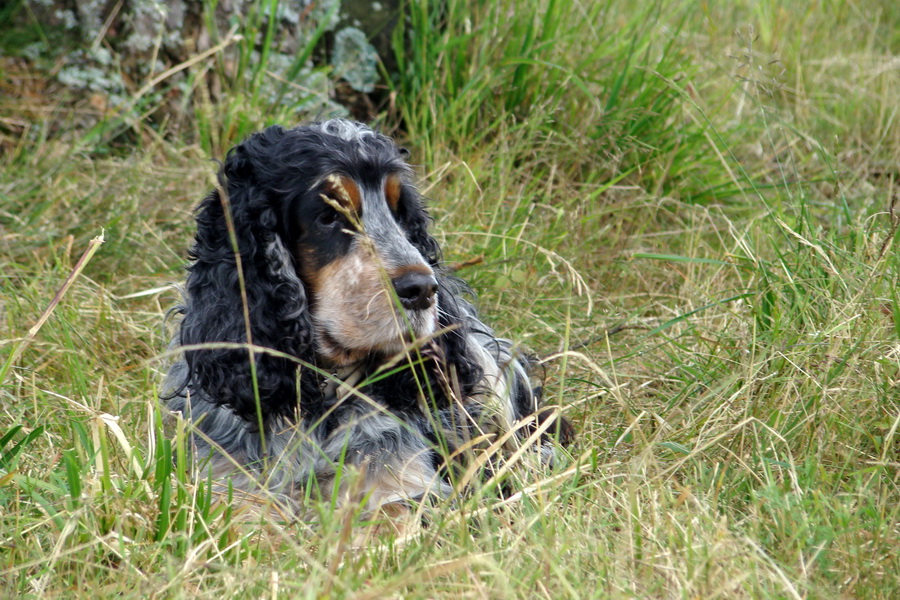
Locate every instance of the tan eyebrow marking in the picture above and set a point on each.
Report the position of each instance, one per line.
(392, 191)
(345, 191)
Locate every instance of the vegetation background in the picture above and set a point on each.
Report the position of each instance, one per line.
(687, 208)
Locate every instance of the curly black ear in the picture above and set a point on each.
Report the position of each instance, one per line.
(275, 297)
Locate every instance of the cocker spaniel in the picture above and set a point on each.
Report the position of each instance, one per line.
(333, 335)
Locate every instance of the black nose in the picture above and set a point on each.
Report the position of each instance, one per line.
(415, 290)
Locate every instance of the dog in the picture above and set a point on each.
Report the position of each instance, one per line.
(322, 333)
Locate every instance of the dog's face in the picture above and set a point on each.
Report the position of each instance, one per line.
(370, 289)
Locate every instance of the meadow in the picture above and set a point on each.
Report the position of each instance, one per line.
(687, 210)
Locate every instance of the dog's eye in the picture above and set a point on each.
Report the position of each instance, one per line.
(329, 218)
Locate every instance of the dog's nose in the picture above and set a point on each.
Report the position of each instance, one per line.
(415, 290)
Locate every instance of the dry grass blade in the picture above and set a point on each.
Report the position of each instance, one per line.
(92, 248)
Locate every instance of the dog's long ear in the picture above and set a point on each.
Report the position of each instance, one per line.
(275, 298)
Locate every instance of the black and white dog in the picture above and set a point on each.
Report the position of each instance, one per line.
(345, 343)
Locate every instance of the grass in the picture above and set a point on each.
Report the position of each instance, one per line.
(689, 210)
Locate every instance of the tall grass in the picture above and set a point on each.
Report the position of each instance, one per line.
(244, 72)
(688, 211)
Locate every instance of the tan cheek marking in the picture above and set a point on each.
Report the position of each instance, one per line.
(352, 300)
(345, 191)
(392, 191)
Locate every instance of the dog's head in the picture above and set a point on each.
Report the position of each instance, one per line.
(336, 258)
(354, 228)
